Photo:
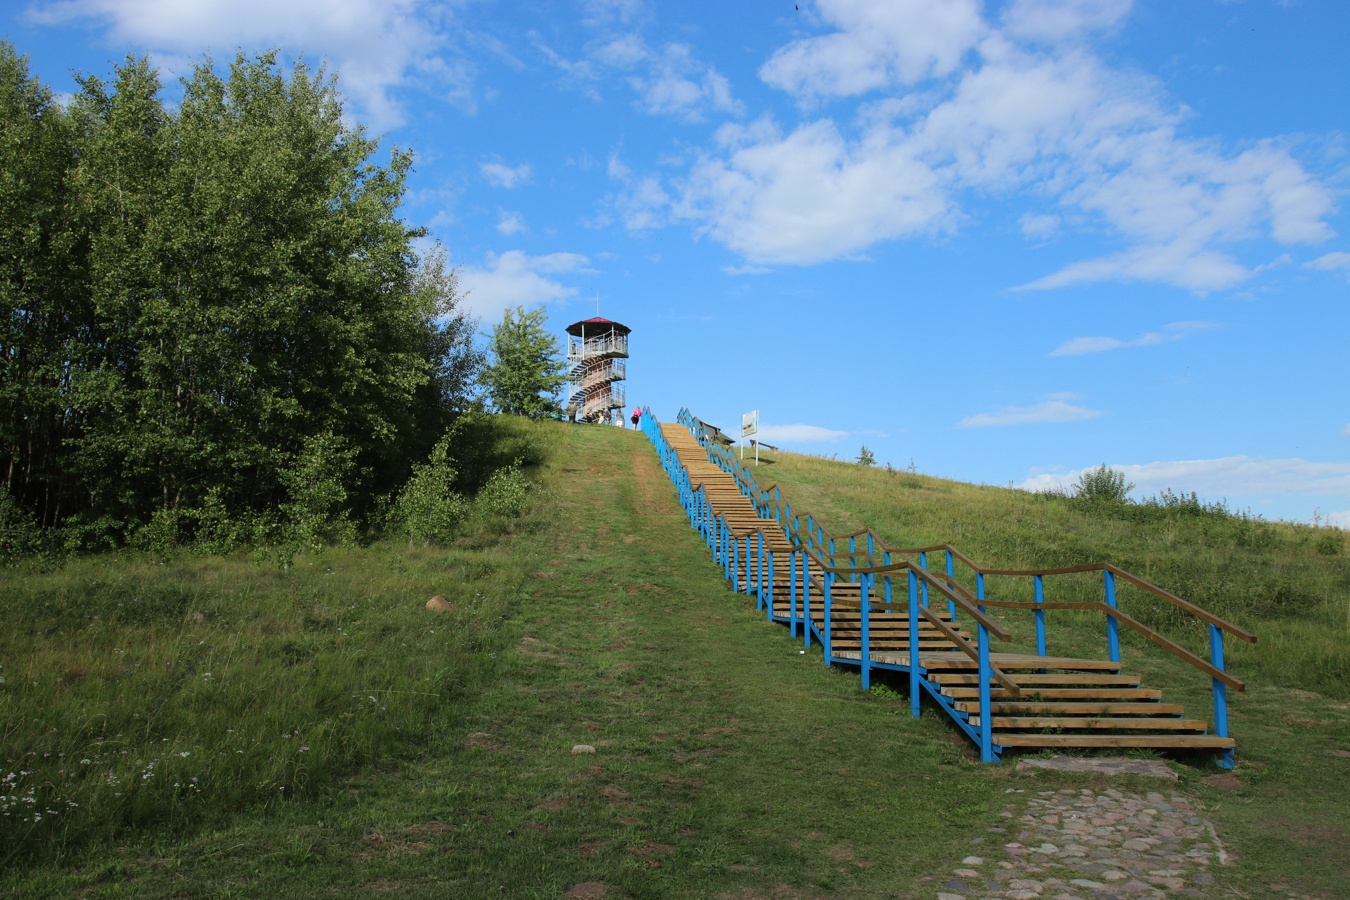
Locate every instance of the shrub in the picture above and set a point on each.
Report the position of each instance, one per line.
(428, 508)
(1103, 485)
(506, 493)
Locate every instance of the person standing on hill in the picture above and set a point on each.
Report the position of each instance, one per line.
(636, 416)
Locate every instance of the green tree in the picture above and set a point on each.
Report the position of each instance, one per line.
(526, 370)
(204, 299)
(865, 457)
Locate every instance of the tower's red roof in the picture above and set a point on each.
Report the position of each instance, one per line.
(595, 326)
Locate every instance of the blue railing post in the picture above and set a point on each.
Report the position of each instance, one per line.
(829, 642)
(792, 592)
(923, 564)
(914, 659)
(735, 554)
(806, 599)
(1220, 691)
(979, 589)
(852, 558)
(865, 648)
(759, 568)
(768, 600)
(951, 573)
(1040, 616)
(986, 725)
(1112, 625)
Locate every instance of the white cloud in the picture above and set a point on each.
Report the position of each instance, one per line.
(668, 80)
(1038, 225)
(799, 434)
(377, 45)
(499, 174)
(963, 108)
(1230, 476)
(1346, 431)
(1174, 332)
(517, 279)
(877, 45)
(1339, 519)
(509, 223)
(1048, 411)
(1060, 20)
(1333, 262)
(808, 197)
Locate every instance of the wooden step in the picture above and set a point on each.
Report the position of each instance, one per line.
(1010, 662)
(1027, 678)
(1100, 694)
(1157, 741)
(1106, 723)
(1074, 709)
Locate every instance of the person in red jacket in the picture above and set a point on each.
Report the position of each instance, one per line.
(637, 415)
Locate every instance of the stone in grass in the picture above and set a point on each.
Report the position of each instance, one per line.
(439, 602)
(582, 748)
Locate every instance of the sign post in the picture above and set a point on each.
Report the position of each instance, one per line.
(749, 428)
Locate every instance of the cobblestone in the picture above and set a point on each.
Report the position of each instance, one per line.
(1094, 845)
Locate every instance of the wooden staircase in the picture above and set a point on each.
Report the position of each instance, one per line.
(1041, 701)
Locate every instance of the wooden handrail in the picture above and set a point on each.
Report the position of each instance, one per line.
(964, 646)
(1096, 605)
(1197, 611)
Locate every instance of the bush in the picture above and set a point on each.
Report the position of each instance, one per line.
(1103, 485)
(506, 493)
(428, 508)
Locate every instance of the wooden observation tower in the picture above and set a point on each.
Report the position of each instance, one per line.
(596, 352)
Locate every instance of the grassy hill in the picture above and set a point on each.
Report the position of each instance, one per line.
(229, 727)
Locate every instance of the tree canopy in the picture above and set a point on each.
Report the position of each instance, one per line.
(212, 306)
(526, 371)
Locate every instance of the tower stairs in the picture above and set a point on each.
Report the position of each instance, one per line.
(878, 608)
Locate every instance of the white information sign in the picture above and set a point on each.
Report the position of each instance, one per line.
(749, 427)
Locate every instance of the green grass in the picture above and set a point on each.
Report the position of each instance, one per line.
(727, 763)
(1289, 818)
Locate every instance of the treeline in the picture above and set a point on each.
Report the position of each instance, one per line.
(211, 315)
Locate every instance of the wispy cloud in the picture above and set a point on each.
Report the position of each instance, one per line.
(1080, 346)
(958, 105)
(501, 175)
(509, 223)
(379, 46)
(1229, 476)
(1339, 519)
(516, 279)
(1049, 411)
(1346, 431)
(799, 434)
(1333, 262)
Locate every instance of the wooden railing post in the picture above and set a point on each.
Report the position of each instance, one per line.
(1112, 624)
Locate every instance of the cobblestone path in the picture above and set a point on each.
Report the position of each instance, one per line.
(1092, 845)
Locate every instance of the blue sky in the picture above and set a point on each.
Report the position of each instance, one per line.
(1005, 241)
